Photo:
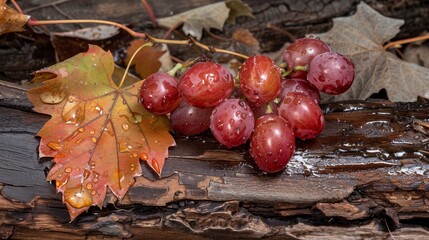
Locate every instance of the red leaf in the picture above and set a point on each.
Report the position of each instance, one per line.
(97, 132)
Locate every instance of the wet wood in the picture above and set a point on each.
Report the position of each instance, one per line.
(366, 173)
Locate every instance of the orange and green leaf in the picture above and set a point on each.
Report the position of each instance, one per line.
(11, 20)
(98, 132)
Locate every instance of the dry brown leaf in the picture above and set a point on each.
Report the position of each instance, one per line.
(238, 8)
(93, 33)
(11, 20)
(418, 54)
(147, 59)
(361, 38)
(195, 20)
(245, 42)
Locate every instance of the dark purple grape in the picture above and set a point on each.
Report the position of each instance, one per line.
(159, 93)
(301, 52)
(232, 122)
(299, 85)
(206, 84)
(331, 73)
(272, 143)
(303, 114)
(260, 79)
(190, 120)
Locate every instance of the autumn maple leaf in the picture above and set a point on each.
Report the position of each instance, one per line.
(11, 20)
(98, 131)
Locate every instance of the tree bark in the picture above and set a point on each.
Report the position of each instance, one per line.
(365, 175)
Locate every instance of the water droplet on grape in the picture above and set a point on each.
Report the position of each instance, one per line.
(94, 140)
(89, 186)
(68, 170)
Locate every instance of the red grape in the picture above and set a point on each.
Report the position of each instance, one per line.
(331, 73)
(206, 84)
(299, 85)
(232, 122)
(159, 93)
(259, 111)
(272, 143)
(260, 79)
(303, 114)
(190, 120)
(301, 52)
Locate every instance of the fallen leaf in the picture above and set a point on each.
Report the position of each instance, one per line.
(195, 20)
(147, 59)
(245, 38)
(101, 32)
(10, 19)
(361, 37)
(237, 9)
(417, 54)
(98, 132)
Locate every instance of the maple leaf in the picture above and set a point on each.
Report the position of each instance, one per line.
(98, 132)
(195, 20)
(147, 59)
(11, 20)
(361, 37)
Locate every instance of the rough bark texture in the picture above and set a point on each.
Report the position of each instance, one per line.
(364, 177)
(366, 174)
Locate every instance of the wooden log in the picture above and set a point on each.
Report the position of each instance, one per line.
(365, 175)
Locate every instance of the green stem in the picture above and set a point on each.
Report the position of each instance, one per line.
(176, 68)
(301, 68)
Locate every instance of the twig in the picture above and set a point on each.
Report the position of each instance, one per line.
(46, 5)
(404, 41)
(16, 5)
(51, 22)
(150, 12)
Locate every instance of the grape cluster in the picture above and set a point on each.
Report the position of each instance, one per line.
(271, 106)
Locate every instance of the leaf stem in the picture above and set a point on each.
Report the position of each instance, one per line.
(404, 41)
(74, 21)
(18, 8)
(149, 44)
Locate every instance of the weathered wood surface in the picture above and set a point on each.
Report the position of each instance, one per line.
(366, 173)
(275, 22)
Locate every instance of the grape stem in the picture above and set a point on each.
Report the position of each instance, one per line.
(191, 41)
(176, 68)
(297, 68)
(149, 44)
(395, 44)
